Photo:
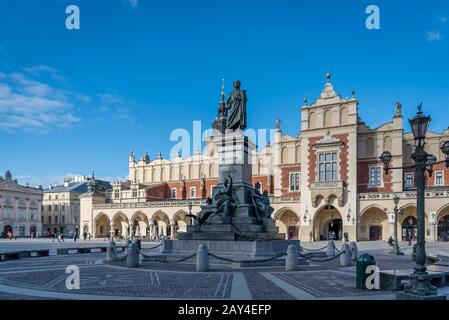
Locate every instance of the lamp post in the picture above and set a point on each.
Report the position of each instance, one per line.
(419, 286)
(396, 250)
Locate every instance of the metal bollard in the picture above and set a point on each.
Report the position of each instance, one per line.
(202, 258)
(291, 262)
(111, 249)
(331, 248)
(345, 258)
(132, 258)
(354, 251)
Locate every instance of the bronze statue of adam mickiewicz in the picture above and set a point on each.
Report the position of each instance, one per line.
(236, 108)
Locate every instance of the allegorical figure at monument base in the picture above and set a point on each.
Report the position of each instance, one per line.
(236, 105)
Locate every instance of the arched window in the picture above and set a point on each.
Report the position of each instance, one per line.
(344, 114)
(327, 118)
(387, 143)
(369, 147)
(284, 155)
(298, 154)
(312, 120)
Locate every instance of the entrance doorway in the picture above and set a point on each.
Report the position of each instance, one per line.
(328, 224)
(409, 228)
(375, 233)
(443, 229)
(293, 233)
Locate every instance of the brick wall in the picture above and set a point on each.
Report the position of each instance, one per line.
(285, 172)
(363, 177)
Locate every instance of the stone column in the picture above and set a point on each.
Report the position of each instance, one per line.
(172, 229)
(111, 231)
(130, 232)
(151, 229)
(432, 231)
(392, 226)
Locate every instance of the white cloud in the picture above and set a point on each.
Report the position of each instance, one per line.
(45, 181)
(443, 19)
(30, 104)
(133, 3)
(434, 35)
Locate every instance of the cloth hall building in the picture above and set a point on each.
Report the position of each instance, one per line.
(328, 179)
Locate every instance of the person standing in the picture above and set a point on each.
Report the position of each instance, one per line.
(311, 235)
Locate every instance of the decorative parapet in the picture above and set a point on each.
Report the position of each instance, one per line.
(150, 204)
(276, 200)
(326, 190)
(177, 203)
(402, 195)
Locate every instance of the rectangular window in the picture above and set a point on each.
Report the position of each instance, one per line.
(62, 207)
(173, 193)
(56, 207)
(375, 176)
(56, 219)
(7, 213)
(327, 166)
(49, 219)
(439, 181)
(134, 193)
(49, 207)
(116, 194)
(409, 180)
(192, 192)
(294, 181)
(63, 219)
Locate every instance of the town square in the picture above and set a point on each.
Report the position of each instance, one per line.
(146, 163)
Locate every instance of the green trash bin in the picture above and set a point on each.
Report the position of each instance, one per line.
(363, 262)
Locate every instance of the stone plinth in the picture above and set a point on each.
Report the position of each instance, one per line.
(243, 249)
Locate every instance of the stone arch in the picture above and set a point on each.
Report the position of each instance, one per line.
(288, 222)
(161, 223)
(181, 221)
(140, 224)
(102, 226)
(327, 219)
(442, 223)
(374, 224)
(120, 225)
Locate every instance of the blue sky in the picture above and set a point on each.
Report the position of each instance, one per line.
(80, 100)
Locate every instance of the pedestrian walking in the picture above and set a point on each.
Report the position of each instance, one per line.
(311, 236)
(84, 235)
(90, 236)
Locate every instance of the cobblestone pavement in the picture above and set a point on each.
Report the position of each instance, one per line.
(45, 278)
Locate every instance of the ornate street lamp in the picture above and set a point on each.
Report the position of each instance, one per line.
(349, 215)
(306, 213)
(396, 250)
(419, 286)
